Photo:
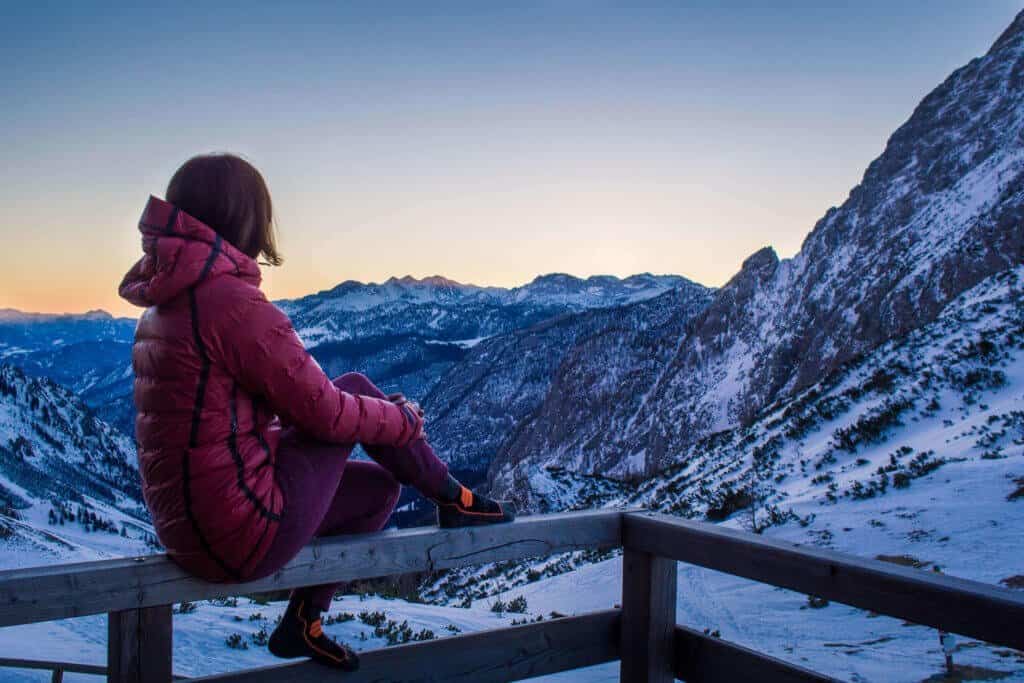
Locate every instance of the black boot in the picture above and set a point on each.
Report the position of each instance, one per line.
(460, 507)
(300, 634)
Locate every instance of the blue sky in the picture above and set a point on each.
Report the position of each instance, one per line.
(488, 142)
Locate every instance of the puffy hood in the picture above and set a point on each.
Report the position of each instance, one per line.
(179, 252)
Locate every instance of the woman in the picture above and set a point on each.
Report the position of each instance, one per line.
(243, 441)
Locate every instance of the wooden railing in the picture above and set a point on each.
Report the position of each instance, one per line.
(56, 669)
(138, 593)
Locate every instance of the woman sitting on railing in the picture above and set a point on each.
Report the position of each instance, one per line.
(243, 441)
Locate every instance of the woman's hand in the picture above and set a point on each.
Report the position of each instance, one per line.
(414, 419)
(401, 400)
(413, 415)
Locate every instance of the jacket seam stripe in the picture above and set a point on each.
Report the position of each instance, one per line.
(240, 464)
(193, 440)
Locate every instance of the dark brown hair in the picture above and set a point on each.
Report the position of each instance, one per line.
(228, 194)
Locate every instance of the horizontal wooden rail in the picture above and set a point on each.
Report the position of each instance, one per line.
(506, 654)
(701, 658)
(73, 590)
(69, 667)
(58, 668)
(970, 608)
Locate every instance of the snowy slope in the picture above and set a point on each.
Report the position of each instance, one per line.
(949, 392)
(69, 487)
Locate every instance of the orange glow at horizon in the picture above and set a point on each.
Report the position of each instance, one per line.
(597, 234)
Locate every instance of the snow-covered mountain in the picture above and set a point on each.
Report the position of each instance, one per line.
(442, 309)
(480, 359)
(98, 371)
(69, 485)
(406, 333)
(87, 353)
(938, 212)
(949, 393)
(23, 333)
(481, 402)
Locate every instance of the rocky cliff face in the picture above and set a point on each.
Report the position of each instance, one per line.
(939, 211)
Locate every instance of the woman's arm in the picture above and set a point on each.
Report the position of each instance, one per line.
(260, 348)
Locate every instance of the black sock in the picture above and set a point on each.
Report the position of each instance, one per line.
(301, 608)
(450, 490)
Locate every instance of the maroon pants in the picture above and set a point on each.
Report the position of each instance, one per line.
(326, 495)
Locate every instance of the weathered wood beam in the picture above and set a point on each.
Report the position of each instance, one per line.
(69, 667)
(648, 618)
(73, 590)
(971, 608)
(507, 654)
(65, 667)
(139, 645)
(705, 659)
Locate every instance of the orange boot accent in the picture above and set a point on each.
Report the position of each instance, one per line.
(466, 498)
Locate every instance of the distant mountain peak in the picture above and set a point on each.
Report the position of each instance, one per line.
(430, 280)
(16, 315)
(762, 259)
(97, 314)
(444, 309)
(556, 277)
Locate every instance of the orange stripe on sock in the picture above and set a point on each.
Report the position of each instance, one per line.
(305, 636)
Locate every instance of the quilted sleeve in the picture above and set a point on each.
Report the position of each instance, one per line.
(259, 347)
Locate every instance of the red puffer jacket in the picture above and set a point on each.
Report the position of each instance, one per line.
(215, 365)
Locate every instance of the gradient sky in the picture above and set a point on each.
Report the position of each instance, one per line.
(485, 141)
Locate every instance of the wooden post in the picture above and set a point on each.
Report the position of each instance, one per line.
(139, 645)
(648, 618)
